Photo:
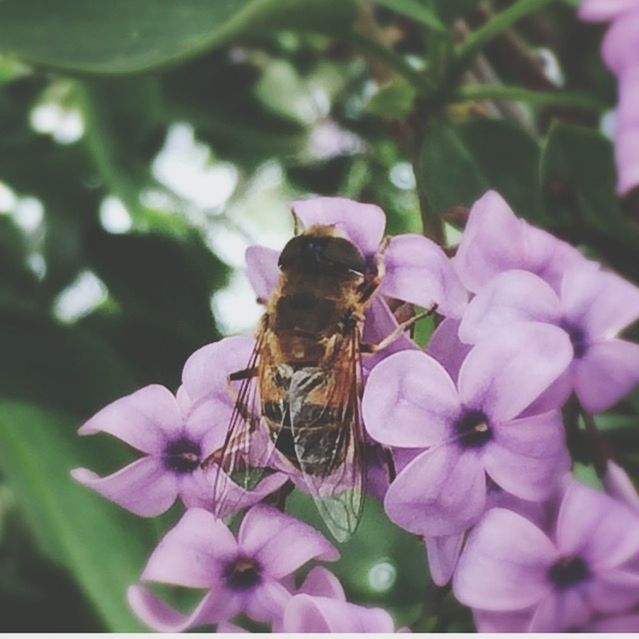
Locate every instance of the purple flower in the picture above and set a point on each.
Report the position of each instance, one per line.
(495, 240)
(470, 429)
(605, 10)
(618, 485)
(241, 575)
(541, 582)
(592, 307)
(412, 268)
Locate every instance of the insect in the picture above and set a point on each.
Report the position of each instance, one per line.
(298, 399)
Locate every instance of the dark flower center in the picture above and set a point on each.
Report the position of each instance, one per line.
(243, 573)
(182, 455)
(472, 429)
(568, 571)
(578, 339)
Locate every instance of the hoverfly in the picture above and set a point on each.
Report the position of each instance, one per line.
(298, 398)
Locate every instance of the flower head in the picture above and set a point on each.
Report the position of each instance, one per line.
(241, 575)
(470, 429)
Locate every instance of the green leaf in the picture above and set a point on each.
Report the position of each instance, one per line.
(121, 36)
(414, 9)
(459, 162)
(394, 100)
(103, 547)
(450, 10)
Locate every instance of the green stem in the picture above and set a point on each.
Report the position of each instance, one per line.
(498, 23)
(570, 99)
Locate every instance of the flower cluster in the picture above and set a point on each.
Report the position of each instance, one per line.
(473, 422)
(621, 54)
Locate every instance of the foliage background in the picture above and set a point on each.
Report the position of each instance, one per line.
(144, 145)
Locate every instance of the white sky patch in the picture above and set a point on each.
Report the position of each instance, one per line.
(37, 264)
(328, 140)
(64, 125)
(28, 214)
(184, 166)
(235, 307)
(114, 216)
(227, 243)
(382, 576)
(80, 297)
(8, 199)
(403, 176)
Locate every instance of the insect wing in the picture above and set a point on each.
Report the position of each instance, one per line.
(328, 443)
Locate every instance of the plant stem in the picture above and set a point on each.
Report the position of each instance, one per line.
(501, 21)
(569, 99)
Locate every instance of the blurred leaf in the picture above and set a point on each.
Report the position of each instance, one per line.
(126, 37)
(103, 547)
(15, 279)
(394, 100)
(459, 162)
(62, 367)
(450, 10)
(414, 9)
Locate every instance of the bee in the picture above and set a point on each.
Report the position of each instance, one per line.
(298, 398)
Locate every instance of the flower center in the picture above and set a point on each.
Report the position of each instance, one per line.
(568, 571)
(182, 455)
(243, 573)
(578, 339)
(472, 429)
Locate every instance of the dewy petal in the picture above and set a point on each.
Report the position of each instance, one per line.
(504, 563)
(321, 614)
(206, 372)
(527, 456)
(363, 224)
(601, 303)
(281, 543)
(144, 419)
(443, 553)
(505, 373)
(192, 553)
(619, 49)
(606, 373)
(441, 492)
(561, 611)
(603, 531)
(143, 487)
(605, 10)
(262, 270)
(321, 582)
(416, 270)
(511, 296)
(409, 401)
(490, 243)
(445, 346)
(163, 618)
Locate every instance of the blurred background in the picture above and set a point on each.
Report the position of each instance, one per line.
(144, 145)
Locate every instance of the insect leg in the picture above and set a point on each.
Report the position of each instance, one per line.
(390, 464)
(245, 373)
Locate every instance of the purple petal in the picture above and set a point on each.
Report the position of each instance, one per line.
(605, 10)
(144, 487)
(622, 623)
(226, 627)
(505, 373)
(206, 372)
(442, 492)
(282, 544)
(504, 563)
(601, 303)
(418, 271)
(560, 611)
(613, 591)
(619, 47)
(321, 614)
(192, 553)
(443, 553)
(527, 456)
(512, 296)
(627, 131)
(262, 270)
(604, 532)
(163, 618)
(445, 346)
(606, 373)
(144, 419)
(400, 409)
(321, 582)
(619, 485)
(490, 621)
(363, 224)
(267, 602)
(207, 424)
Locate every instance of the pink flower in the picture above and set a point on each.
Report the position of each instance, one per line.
(605, 10)
(592, 307)
(470, 428)
(518, 577)
(241, 575)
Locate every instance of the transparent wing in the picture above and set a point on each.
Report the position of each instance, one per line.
(239, 465)
(328, 439)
